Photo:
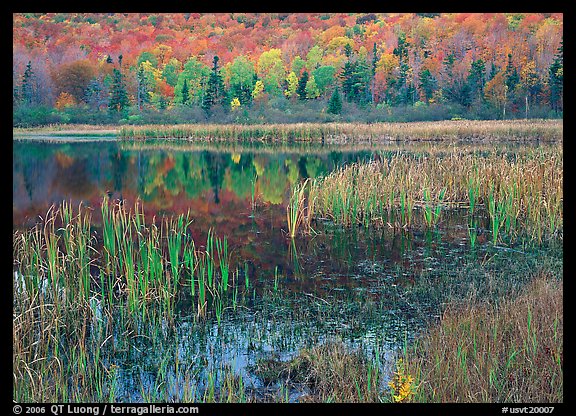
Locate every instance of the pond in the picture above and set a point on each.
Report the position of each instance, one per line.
(374, 289)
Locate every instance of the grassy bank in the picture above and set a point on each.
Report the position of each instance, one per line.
(506, 352)
(544, 130)
(68, 130)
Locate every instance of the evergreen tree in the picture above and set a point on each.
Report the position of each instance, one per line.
(427, 84)
(493, 71)
(512, 77)
(301, 89)
(335, 102)
(347, 80)
(96, 95)
(143, 88)
(118, 95)
(449, 84)
(27, 88)
(185, 93)
(556, 79)
(214, 93)
(15, 90)
(401, 51)
(475, 80)
(373, 72)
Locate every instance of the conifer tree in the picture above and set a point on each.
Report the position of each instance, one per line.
(556, 78)
(301, 89)
(185, 93)
(118, 95)
(214, 93)
(335, 103)
(27, 88)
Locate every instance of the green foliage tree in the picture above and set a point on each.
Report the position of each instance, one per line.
(314, 58)
(324, 76)
(196, 74)
(271, 71)
(170, 71)
(241, 75)
(298, 64)
(312, 91)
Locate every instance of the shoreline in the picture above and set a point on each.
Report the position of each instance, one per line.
(548, 130)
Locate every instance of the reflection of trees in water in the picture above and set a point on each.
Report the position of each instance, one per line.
(216, 165)
(158, 175)
(273, 185)
(119, 164)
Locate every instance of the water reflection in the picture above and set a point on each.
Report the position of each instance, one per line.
(168, 181)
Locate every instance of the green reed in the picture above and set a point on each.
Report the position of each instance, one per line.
(521, 192)
(432, 208)
(295, 210)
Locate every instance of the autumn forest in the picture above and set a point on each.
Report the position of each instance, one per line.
(135, 68)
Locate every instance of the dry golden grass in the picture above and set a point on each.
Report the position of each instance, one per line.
(491, 130)
(510, 352)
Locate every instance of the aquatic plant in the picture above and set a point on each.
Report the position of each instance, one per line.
(295, 210)
(522, 195)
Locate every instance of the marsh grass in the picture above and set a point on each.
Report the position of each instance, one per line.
(492, 130)
(522, 193)
(509, 351)
(326, 373)
(72, 280)
(298, 212)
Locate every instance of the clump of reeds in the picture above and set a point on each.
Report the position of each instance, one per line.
(299, 210)
(506, 352)
(328, 373)
(522, 194)
(71, 279)
(491, 130)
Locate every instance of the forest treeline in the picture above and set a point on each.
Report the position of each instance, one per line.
(250, 68)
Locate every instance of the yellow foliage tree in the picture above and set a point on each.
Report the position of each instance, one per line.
(496, 90)
(235, 104)
(258, 90)
(292, 84)
(65, 100)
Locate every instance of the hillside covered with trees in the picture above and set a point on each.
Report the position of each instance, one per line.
(240, 67)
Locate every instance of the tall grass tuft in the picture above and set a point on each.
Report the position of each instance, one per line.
(506, 352)
(522, 194)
